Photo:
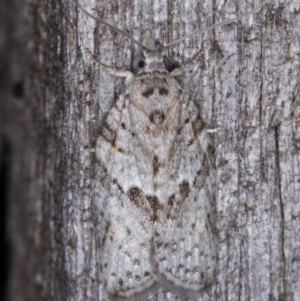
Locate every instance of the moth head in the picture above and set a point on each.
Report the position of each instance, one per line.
(151, 61)
(151, 58)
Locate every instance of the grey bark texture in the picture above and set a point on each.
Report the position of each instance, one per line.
(247, 84)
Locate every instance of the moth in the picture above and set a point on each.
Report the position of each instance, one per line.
(158, 221)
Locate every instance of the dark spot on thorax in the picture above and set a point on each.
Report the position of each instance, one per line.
(148, 92)
(163, 91)
(157, 117)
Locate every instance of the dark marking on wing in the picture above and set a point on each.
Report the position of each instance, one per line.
(115, 182)
(155, 206)
(116, 148)
(198, 125)
(171, 200)
(108, 134)
(129, 274)
(184, 189)
(120, 282)
(149, 203)
(196, 270)
(109, 232)
(176, 202)
(158, 244)
(207, 225)
(191, 141)
(155, 165)
(135, 194)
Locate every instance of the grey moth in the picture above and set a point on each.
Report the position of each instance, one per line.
(158, 221)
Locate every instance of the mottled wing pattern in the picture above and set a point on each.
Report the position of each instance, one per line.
(184, 237)
(158, 216)
(128, 228)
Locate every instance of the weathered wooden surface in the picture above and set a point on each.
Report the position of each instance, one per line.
(247, 84)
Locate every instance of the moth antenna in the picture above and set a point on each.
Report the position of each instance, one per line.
(112, 27)
(197, 32)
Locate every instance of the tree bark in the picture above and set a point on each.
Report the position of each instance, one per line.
(54, 101)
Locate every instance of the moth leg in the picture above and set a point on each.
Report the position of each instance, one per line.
(111, 70)
(186, 66)
(211, 131)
